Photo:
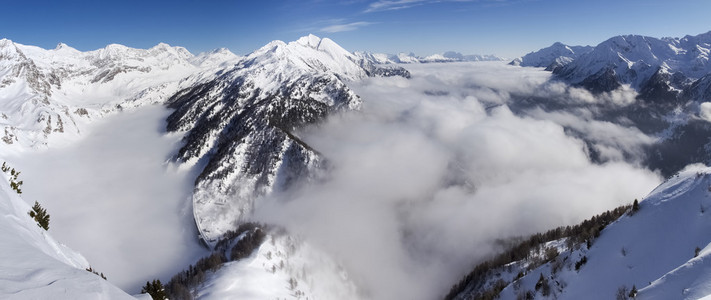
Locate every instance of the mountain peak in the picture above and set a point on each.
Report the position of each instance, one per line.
(310, 40)
(65, 48)
(5, 43)
(553, 56)
(161, 45)
(61, 45)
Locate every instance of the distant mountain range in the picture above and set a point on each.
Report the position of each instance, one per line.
(45, 92)
(411, 58)
(667, 68)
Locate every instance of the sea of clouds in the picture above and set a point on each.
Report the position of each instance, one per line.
(434, 170)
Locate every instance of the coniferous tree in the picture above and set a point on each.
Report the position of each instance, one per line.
(40, 215)
(635, 206)
(633, 292)
(155, 289)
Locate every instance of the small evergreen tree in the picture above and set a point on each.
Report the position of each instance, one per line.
(633, 291)
(697, 251)
(40, 215)
(155, 289)
(581, 262)
(635, 206)
(14, 183)
(91, 270)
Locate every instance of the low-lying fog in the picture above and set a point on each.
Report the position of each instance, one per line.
(112, 197)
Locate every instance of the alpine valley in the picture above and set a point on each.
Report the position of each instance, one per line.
(318, 173)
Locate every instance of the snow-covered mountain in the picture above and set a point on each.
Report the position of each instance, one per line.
(657, 68)
(553, 57)
(243, 124)
(669, 64)
(34, 265)
(47, 92)
(660, 250)
(411, 58)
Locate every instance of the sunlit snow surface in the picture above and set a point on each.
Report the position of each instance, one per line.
(113, 198)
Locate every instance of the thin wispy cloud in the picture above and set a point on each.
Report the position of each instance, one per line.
(393, 5)
(345, 27)
(385, 5)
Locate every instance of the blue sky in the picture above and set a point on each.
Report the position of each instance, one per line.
(507, 28)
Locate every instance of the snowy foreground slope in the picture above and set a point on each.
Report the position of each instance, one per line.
(652, 250)
(35, 266)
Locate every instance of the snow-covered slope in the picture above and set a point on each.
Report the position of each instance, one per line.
(551, 58)
(411, 58)
(47, 95)
(243, 124)
(35, 266)
(652, 250)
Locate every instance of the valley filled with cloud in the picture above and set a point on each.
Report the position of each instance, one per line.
(436, 170)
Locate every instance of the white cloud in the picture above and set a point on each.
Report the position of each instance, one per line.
(705, 111)
(422, 184)
(345, 27)
(382, 5)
